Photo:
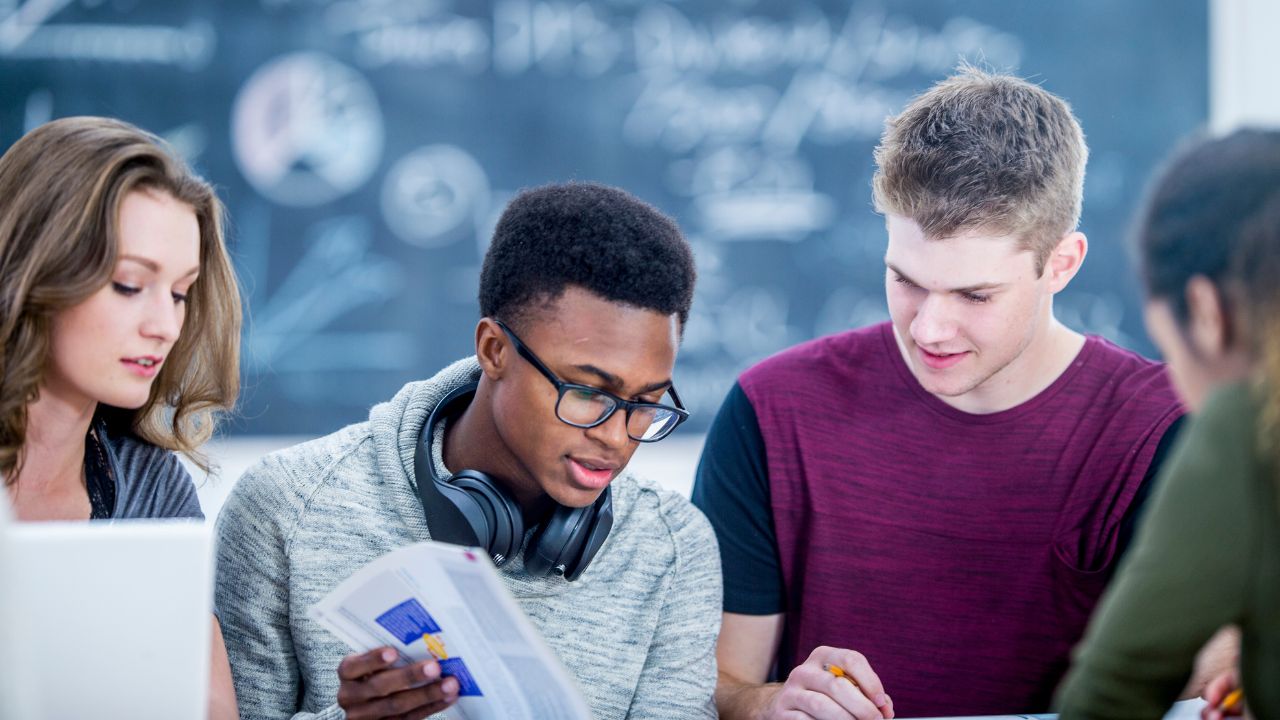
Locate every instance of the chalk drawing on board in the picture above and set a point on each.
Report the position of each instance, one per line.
(39, 109)
(26, 33)
(751, 122)
(741, 193)
(189, 139)
(306, 129)
(336, 275)
(681, 115)
(753, 322)
(850, 307)
(498, 200)
(1094, 313)
(435, 195)
(555, 38)
(410, 33)
(743, 165)
(21, 20)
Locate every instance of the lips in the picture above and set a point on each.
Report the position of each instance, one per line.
(592, 474)
(940, 361)
(143, 365)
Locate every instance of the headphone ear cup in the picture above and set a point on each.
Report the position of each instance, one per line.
(459, 518)
(556, 539)
(502, 514)
(593, 536)
(569, 539)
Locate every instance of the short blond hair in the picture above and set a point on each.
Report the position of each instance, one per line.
(984, 151)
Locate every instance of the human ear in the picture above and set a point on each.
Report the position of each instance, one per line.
(1065, 260)
(492, 348)
(1208, 326)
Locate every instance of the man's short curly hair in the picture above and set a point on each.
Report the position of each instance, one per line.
(592, 236)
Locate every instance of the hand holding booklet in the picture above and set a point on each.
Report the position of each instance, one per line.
(444, 601)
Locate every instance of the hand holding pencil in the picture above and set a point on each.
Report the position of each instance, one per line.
(1224, 696)
(832, 683)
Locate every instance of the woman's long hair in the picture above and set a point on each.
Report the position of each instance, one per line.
(61, 187)
(1257, 295)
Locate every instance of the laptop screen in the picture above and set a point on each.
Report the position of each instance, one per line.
(109, 619)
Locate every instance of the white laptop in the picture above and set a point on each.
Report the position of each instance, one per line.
(104, 620)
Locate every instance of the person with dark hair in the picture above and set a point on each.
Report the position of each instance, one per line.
(605, 241)
(1208, 555)
(934, 504)
(520, 449)
(119, 331)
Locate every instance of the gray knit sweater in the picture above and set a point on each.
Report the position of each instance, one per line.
(637, 629)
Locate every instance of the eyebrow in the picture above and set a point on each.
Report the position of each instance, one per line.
(154, 266)
(966, 289)
(614, 382)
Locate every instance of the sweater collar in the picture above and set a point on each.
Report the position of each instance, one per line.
(395, 426)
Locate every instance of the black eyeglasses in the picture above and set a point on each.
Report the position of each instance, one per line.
(584, 406)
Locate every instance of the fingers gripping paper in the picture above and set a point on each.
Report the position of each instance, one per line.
(433, 600)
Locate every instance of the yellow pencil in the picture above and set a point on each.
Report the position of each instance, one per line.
(1230, 701)
(840, 673)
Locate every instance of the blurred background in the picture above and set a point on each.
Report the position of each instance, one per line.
(365, 149)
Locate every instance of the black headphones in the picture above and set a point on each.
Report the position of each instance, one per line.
(471, 509)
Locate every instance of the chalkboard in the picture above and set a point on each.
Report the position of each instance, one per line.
(365, 148)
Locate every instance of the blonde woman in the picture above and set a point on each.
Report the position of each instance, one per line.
(119, 330)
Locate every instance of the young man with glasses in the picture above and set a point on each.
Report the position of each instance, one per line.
(935, 503)
(521, 449)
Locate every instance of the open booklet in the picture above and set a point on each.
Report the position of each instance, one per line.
(445, 601)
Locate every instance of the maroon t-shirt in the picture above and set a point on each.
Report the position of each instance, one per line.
(961, 553)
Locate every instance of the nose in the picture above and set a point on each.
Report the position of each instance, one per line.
(163, 318)
(611, 433)
(933, 323)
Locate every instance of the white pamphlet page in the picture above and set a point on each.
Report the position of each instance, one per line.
(447, 602)
(1184, 710)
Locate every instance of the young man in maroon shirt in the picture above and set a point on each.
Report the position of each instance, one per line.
(935, 504)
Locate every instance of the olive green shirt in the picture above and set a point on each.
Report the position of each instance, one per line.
(1207, 555)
